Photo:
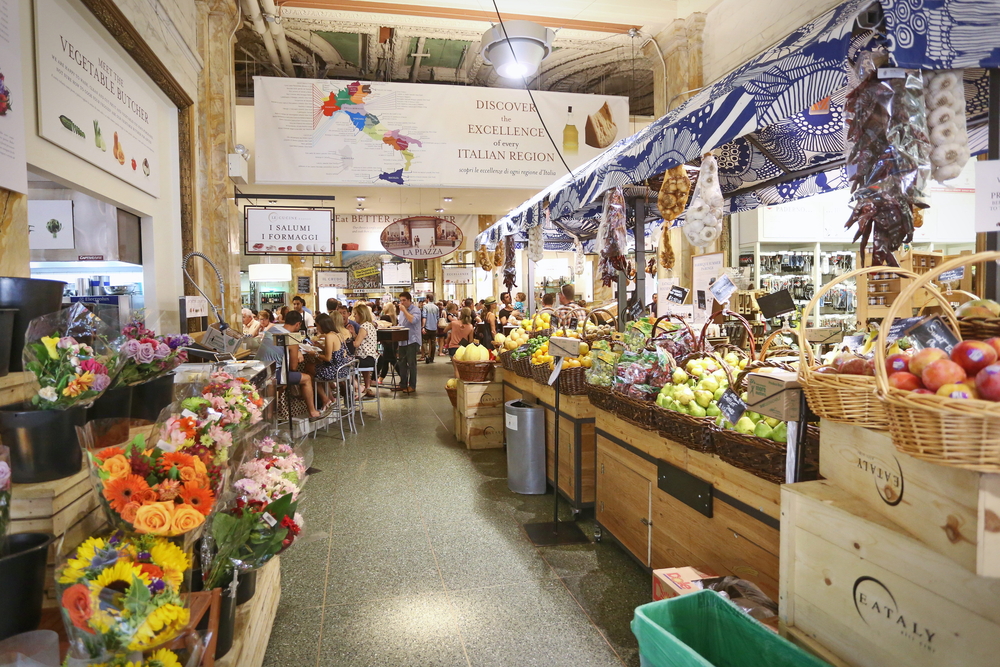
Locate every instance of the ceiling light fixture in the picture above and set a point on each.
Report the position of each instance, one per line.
(361, 199)
(516, 48)
(439, 210)
(359, 209)
(447, 199)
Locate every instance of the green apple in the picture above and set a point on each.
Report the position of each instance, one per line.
(696, 410)
(713, 410)
(745, 425)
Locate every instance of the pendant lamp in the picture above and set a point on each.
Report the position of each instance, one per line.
(518, 52)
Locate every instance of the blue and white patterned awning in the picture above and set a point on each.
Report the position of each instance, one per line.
(780, 112)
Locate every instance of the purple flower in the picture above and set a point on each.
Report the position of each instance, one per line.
(162, 351)
(180, 340)
(4, 475)
(145, 354)
(131, 349)
(100, 382)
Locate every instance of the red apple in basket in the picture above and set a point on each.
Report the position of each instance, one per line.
(973, 355)
(995, 344)
(941, 372)
(897, 363)
(841, 359)
(857, 366)
(921, 391)
(924, 357)
(988, 383)
(905, 381)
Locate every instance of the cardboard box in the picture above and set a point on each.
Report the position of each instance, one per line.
(871, 593)
(671, 582)
(775, 394)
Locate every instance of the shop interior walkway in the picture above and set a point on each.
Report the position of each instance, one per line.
(417, 558)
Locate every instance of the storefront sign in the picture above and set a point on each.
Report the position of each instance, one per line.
(360, 231)
(328, 279)
(988, 196)
(421, 237)
(90, 101)
(299, 231)
(458, 275)
(13, 167)
(319, 131)
(50, 224)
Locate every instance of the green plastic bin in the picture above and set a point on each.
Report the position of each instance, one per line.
(704, 629)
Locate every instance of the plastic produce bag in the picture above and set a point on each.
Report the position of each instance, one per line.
(147, 356)
(74, 356)
(944, 96)
(703, 219)
(745, 595)
(38, 648)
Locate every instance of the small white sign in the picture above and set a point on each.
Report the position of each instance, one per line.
(50, 224)
(722, 289)
(195, 306)
(458, 275)
(288, 230)
(988, 196)
(511, 421)
(328, 279)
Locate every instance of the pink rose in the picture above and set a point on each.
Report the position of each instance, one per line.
(4, 476)
(94, 366)
(145, 354)
(162, 351)
(131, 348)
(101, 382)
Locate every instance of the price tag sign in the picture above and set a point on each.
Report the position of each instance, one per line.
(932, 332)
(678, 294)
(732, 406)
(556, 369)
(195, 306)
(852, 343)
(776, 304)
(952, 275)
(723, 288)
(899, 327)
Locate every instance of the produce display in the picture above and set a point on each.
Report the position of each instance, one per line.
(539, 322)
(530, 348)
(979, 308)
(514, 340)
(473, 352)
(970, 372)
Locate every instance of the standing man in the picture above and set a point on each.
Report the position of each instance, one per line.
(299, 304)
(430, 314)
(409, 317)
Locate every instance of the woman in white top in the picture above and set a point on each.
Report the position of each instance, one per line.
(365, 344)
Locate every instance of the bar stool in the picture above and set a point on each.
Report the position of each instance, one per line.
(361, 397)
(343, 403)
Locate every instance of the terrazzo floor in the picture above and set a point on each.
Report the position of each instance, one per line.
(416, 556)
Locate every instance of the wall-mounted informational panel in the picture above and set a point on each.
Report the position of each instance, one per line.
(397, 274)
(321, 131)
(421, 237)
(704, 270)
(13, 165)
(361, 231)
(300, 231)
(50, 224)
(90, 102)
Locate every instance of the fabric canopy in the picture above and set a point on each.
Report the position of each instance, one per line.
(781, 112)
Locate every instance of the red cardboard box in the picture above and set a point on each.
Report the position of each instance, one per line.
(671, 582)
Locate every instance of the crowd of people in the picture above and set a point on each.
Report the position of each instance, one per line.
(347, 332)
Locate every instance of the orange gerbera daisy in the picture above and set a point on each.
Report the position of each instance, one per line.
(188, 426)
(119, 491)
(106, 454)
(197, 497)
(179, 459)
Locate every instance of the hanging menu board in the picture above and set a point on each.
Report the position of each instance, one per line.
(328, 279)
(397, 274)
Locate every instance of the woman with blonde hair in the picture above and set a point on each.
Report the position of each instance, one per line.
(365, 345)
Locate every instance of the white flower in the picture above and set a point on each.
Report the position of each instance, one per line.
(48, 394)
(75, 361)
(166, 446)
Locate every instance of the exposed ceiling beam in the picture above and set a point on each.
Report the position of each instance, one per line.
(455, 13)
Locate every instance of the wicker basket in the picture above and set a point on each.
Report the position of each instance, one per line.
(522, 366)
(600, 397)
(692, 432)
(474, 371)
(762, 457)
(947, 431)
(505, 361)
(978, 328)
(633, 411)
(842, 398)
(612, 322)
(452, 395)
(722, 349)
(540, 373)
(573, 381)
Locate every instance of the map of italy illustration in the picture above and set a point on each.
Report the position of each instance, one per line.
(350, 100)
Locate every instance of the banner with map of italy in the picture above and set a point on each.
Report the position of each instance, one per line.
(326, 132)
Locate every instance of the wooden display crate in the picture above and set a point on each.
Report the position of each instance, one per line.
(480, 398)
(17, 387)
(255, 619)
(862, 587)
(482, 432)
(955, 512)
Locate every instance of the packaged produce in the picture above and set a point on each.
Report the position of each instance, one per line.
(643, 392)
(944, 95)
(612, 239)
(536, 243)
(673, 196)
(509, 267)
(703, 218)
(602, 369)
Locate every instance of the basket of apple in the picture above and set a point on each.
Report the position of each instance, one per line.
(843, 390)
(943, 407)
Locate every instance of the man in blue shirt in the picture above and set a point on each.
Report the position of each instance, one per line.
(430, 313)
(409, 317)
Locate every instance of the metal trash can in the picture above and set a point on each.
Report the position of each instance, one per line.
(525, 424)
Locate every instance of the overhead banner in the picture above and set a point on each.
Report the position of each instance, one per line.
(421, 237)
(320, 131)
(13, 164)
(89, 101)
(364, 232)
(302, 231)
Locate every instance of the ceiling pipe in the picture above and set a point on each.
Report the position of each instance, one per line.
(252, 10)
(278, 33)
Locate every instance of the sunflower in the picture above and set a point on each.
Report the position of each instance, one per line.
(76, 567)
(163, 658)
(197, 497)
(172, 560)
(119, 577)
(119, 491)
(161, 625)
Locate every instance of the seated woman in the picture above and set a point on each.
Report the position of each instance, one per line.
(333, 336)
(365, 345)
(266, 319)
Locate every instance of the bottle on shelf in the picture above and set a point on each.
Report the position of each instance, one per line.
(571, 137)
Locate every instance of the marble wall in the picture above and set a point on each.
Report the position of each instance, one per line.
(170, 28)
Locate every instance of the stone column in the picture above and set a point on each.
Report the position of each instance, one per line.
(14, 254)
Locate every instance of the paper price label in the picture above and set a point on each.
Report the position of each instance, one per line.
(269, 520)
(891, 73)
(723, 288)
(511, 422)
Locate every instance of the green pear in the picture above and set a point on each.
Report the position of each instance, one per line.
(743, 397)
(731, 359)
(771, 421)
(762, 430)
(667, 390)
(720, 420)
(709, 384)
(684, 395)
(679, 376)
(718, 393)
(754, 416)
(780, 433)
(745, 425)
(683, 409)
(703, 398)
(696, 410)
(743, 364)
(660, 400)
(713, 410)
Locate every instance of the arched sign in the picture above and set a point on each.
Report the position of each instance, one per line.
(422, 237)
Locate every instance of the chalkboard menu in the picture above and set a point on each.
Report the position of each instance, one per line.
(304, 284)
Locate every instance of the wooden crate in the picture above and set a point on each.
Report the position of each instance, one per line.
(480, 398)
(17, 387)
(955, 512)
(459, 426)
(255, 619)
(862, 587)
(485, 432)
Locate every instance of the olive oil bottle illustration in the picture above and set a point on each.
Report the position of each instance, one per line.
(571, 137)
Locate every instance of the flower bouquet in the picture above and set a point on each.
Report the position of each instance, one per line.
(5, 482)
(161, 657)
(74, 356)
(122, 594)
(277, 469)
(150, 491)
(148, 356)
(237, 399)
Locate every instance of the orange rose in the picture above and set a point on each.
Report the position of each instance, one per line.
(76, 603)
(188, 473)
(117, 466)
(199, 467)
(146, 496)
(204, 481)
(129, 511)
(154, 519)
(186, 519)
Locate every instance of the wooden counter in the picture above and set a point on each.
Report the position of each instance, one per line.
(577, 443)
(671, 506)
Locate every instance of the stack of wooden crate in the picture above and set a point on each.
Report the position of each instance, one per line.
(479, 421)
(891, 560)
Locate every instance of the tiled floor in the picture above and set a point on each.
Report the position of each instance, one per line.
(417, 558)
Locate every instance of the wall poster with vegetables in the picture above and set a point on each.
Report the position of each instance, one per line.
(50, 224)
(91, 101)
